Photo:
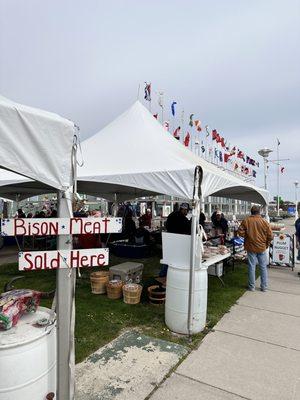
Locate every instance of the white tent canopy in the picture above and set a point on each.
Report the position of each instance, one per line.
(134, 156)
(39, 145)
(36, 144)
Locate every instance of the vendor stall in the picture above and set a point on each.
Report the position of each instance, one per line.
(134, 156)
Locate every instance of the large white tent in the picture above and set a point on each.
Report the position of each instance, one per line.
(39, 145)
(135, 156)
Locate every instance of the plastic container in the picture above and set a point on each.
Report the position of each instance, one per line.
(177, 294)
(114, 289)
(28, 357)
(99, 280)
(156, 294)
(128, 272)
(132, 293)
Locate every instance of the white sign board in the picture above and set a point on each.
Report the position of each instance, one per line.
(281, 249)
(57, 259)
(59, 226)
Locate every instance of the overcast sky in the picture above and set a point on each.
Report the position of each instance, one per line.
(235, 64)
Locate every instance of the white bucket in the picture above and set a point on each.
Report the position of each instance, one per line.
(28, 358)
(177, 299)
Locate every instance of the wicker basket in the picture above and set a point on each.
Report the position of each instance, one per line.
(156, 296)
(132, 293)
(114, 289)
(99, 280)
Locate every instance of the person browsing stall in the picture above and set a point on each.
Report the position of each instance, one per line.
(177, 222)
(258, 236)
(219, 221)
(146, 218)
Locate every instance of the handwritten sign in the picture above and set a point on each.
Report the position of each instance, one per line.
(281, 249)
(56, 259)
(59, 226)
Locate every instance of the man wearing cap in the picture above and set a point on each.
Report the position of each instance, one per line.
(258, 235)
(177, 222)
(219, 221)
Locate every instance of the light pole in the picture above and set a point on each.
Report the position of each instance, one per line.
(296, 183)
(264, 153)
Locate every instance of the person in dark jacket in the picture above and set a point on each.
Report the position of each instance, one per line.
(177, 222)
(202, 219)
(298, 240)
(219, 221)
(129, 227)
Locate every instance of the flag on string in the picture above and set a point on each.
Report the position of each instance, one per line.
(197, 124)
(221, 156)
(232, 151)
(176, 133)
(191, 120)
(166, 125)
(207, 131)
(222, 142)
(161, 99)
(282, 169)
(173, 108)
(214, 134)
(187, 139)
(240, 154)
(147, 91)
(227, 157)
(203, 149)
(236, 166)
(254, 173)
(278, 142)
(155, 116)
(216, 153)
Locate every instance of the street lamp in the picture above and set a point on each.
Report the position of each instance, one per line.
(296, 183)
(265, 154)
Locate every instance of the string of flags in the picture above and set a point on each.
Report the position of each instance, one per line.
(208, 142)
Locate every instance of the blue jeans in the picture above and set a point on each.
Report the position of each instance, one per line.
(261, 260)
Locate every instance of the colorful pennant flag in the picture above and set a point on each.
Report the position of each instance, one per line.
(147, 91)
(197, 124)
(176, 133)
(166, 125)
(207, 131)
(282, 169)
(186, 141)
(155, 116)
(191, 120)
(173, 108)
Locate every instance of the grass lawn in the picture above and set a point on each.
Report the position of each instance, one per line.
(99, 319)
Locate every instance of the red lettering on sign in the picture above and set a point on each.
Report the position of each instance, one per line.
(96, 228)
(27, 258)
(105, 220)
(55, 262)
(83, 259)
(100, 257)
(87, 224)
(38, 262)
(19, 227)
(73, 224)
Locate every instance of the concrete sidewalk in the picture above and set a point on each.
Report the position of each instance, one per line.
(253, 353)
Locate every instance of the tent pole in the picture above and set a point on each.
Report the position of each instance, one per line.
(65, 309)
(194, 225)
